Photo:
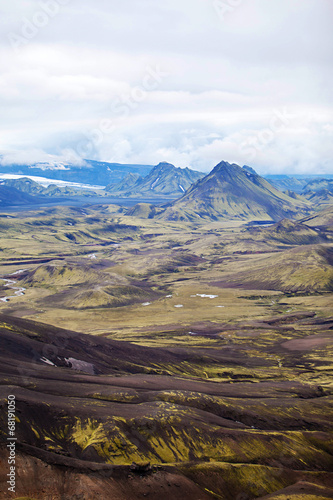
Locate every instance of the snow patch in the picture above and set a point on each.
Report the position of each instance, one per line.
(83, 366)
(154, 183)
(204, 296)
(47, 361)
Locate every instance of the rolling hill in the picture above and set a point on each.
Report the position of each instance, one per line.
(291, 233)
(163, 180)
(324, 218)
(232, 192)
(305, 268)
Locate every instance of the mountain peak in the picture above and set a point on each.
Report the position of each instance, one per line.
(224, 166)
(164, 165)
(226, 171)
(230, 191)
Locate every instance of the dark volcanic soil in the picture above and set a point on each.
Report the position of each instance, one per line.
(231, 421)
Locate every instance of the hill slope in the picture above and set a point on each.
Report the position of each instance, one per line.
(10, 196)
(291, 233)
(128, 182)
(232, 192)
(319, 185)
(305, 268)
(324, 218)
(88, 407)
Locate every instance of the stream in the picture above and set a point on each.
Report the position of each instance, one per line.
(9, 283)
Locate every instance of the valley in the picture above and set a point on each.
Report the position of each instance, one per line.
(204, 354)
(166, 250)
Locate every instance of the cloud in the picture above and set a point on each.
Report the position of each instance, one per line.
(34, 156)
(90, 63)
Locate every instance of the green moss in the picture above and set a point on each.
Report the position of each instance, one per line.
(88, 433)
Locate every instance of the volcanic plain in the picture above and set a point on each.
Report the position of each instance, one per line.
(167, 359)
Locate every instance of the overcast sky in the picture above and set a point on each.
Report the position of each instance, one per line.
(192, 82)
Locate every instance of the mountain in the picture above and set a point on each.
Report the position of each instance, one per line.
(323, 196)
(286, 183)
(232, 192)
(24, 185)
(319, 191)
(90, 172)
(318, 185)
(32, 187)
(127, 183)
(163, 180)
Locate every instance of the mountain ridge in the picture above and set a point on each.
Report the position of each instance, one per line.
(230, 191)
(91, 172)
(163, 180)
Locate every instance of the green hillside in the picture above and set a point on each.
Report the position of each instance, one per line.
(235, 193)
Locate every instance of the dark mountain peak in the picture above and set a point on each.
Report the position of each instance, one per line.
(163, 180)
(230, 191)
(223, 165)
(226, 169)
(164, 166)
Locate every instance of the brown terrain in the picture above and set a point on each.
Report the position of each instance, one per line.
(203, 369)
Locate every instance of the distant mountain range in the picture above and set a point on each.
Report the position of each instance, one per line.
(163, 180)
(228, 192)
(285, 183)
(92, 172)
(232, 192)
(31, 187)
(300, 183)
(318, 185)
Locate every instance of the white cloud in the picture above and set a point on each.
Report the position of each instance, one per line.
(226, 79)
(30, 156)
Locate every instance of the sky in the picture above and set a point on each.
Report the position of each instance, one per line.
(190, 82)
